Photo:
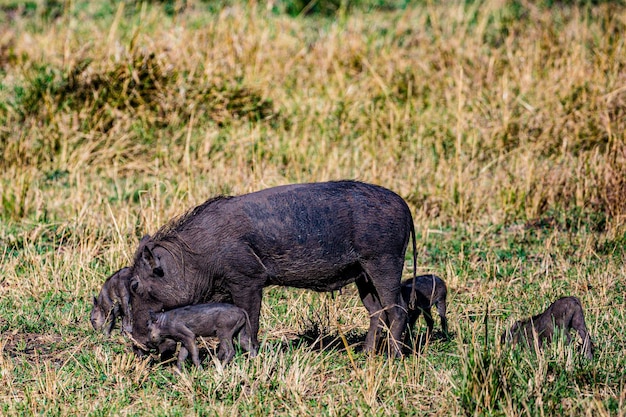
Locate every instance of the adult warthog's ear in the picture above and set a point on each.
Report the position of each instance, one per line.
(148, 257)
(153, 261)
(95, 302)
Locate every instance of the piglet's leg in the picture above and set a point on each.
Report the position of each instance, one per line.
(226, 350)
(441, 309)
(227, 353)
(182, 356)
(429, 321)
(188, 339)
(127, 324)
(578, 324)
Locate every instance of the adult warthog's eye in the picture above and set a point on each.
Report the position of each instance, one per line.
(134, 285)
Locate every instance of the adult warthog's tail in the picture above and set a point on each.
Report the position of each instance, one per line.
(412, 299)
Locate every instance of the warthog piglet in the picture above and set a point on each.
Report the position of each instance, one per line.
(565, 313)
(113, 302)
(226, 321)
(429, 290)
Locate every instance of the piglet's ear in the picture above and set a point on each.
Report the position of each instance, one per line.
(126, 273)
(95, 302)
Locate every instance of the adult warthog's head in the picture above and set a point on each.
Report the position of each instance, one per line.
(159, 282)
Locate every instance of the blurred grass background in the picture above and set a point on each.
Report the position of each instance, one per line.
(501, 122)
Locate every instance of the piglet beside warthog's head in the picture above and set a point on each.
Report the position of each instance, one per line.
(564, 314)
(112, 302)
(319, 236)
(426, 291)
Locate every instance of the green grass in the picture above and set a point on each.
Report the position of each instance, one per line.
(54, 363)
(501, 123)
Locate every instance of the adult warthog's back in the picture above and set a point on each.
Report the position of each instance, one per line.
(320, 236)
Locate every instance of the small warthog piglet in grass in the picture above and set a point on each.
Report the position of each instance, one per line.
(429, 290)
(565, 313)
(226, 321)
(113, 302)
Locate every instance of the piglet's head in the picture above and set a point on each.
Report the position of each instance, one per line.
(98, 315)
(154, 329)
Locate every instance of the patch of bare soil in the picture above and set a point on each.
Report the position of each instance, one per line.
(27, 344)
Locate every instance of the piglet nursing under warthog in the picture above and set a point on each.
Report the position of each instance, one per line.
(184, 324)
(319, 236)
(430, 290)
(565, 313)
(112, 302)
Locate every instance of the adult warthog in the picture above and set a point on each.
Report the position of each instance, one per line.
(319, 236)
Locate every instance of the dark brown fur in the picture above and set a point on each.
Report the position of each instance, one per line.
(112, 302)
(565, 313)
(429, 290)
(184, 324)
(319, 236)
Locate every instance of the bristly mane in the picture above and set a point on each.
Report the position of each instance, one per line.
(169, 230)
(168, 236)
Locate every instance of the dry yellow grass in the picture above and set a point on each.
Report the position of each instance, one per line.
(469, 112)
(501, 123)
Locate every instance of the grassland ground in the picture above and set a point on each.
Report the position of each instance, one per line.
(500, 122)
